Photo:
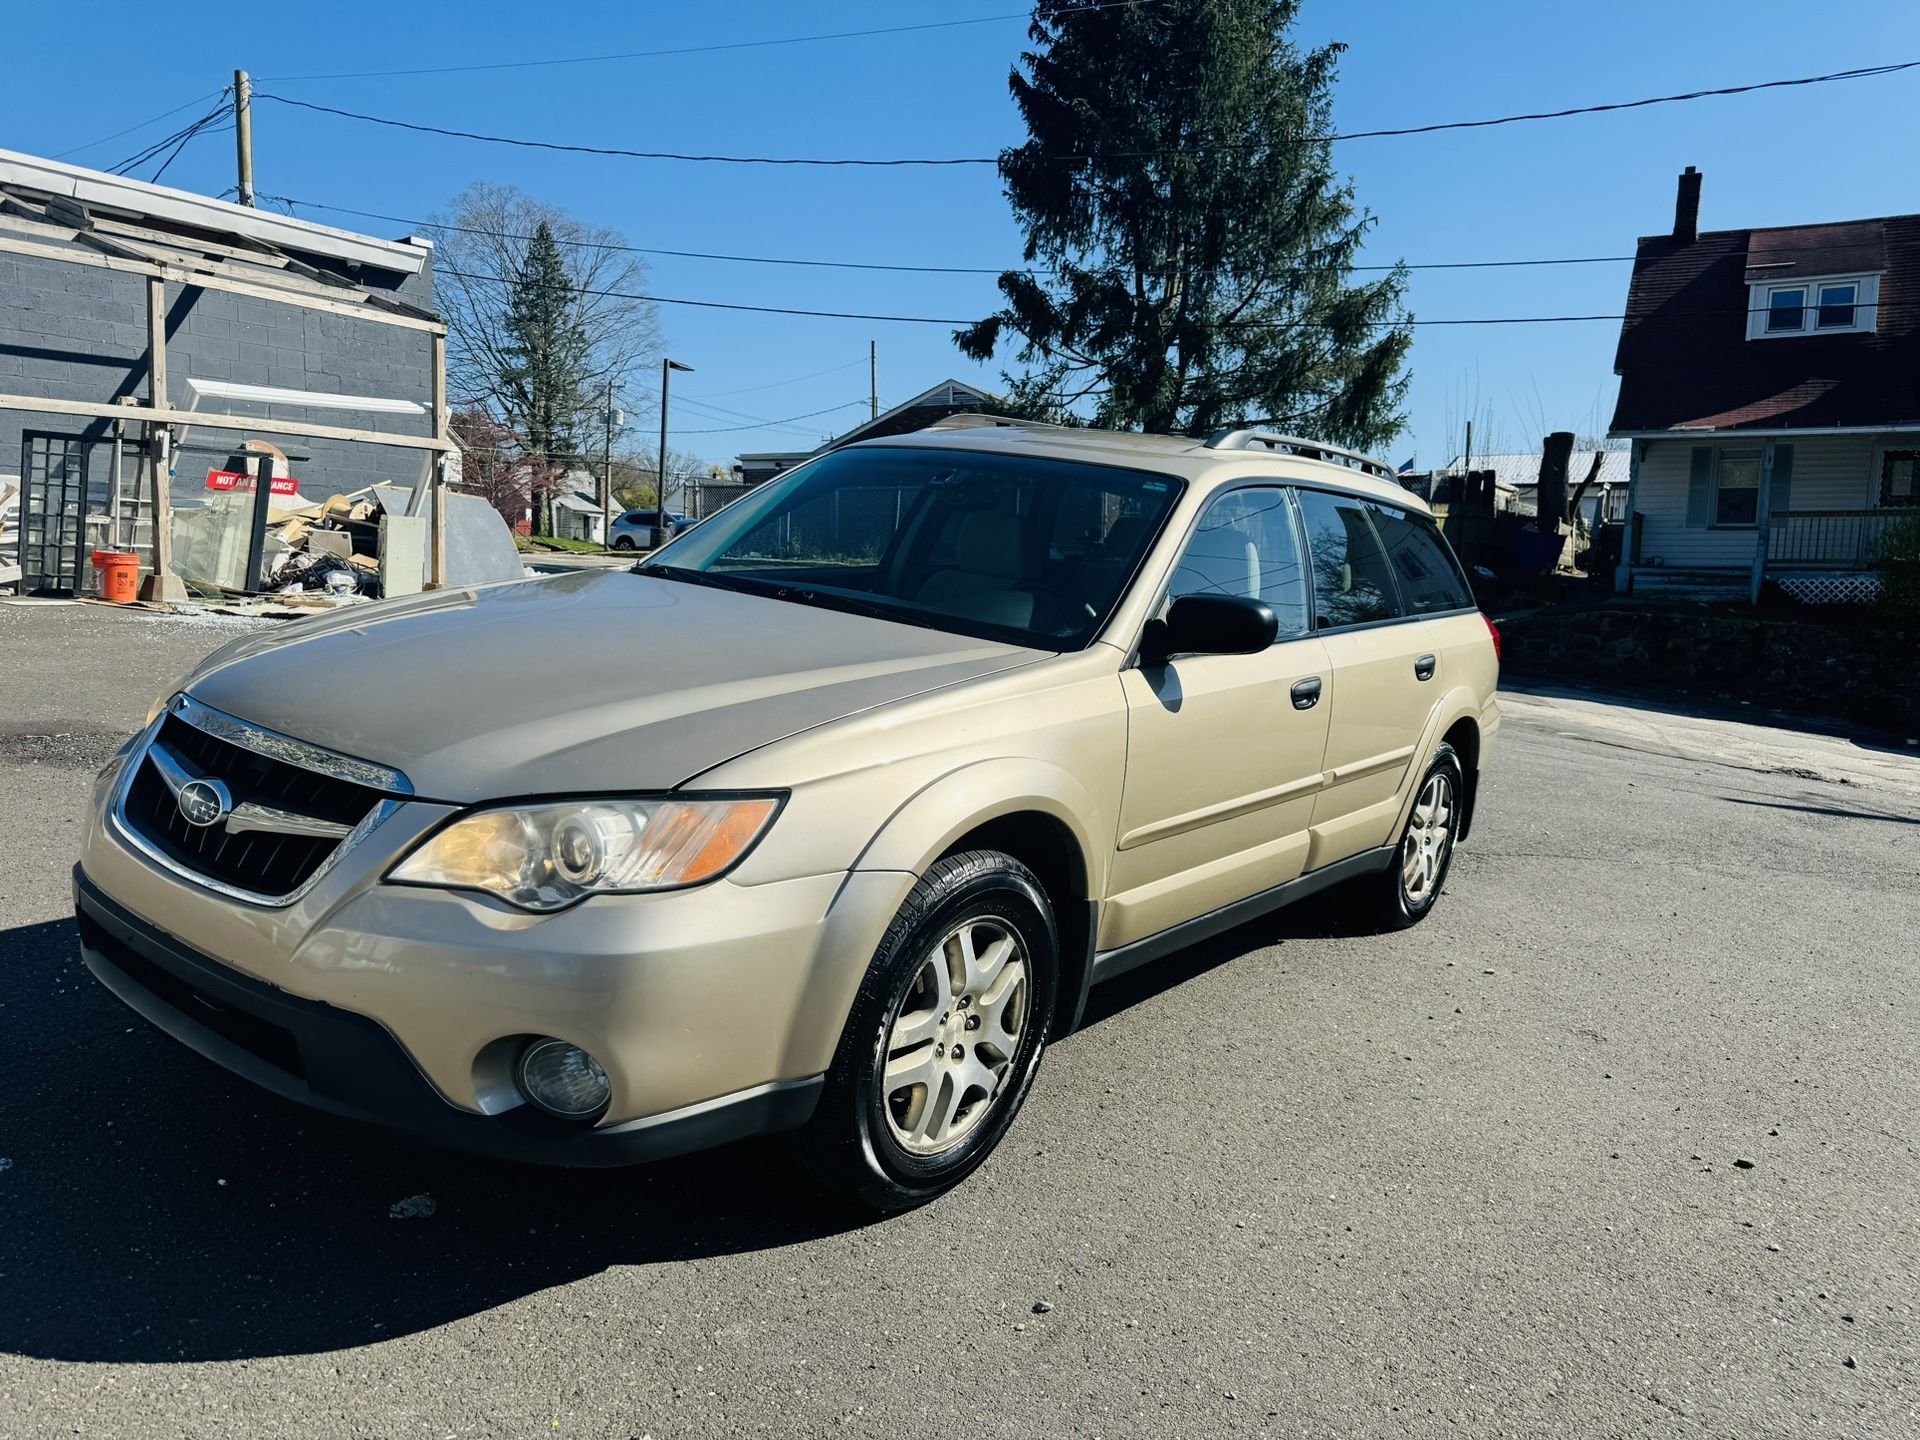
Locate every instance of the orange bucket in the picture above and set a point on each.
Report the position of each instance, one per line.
(119, 575)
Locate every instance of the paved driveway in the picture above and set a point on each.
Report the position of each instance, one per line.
(1481, 1178)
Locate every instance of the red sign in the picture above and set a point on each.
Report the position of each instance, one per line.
(239, 480)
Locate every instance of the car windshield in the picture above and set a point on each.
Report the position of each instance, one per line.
(1036, 552)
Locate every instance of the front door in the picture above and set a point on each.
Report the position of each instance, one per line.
(1386, 677)
(1224, 751)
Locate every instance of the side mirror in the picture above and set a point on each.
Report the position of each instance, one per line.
(1209, 625)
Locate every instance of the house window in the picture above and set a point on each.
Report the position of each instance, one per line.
(1835, 304)
(1786, 310)
(1736, 490)
(1900, 478)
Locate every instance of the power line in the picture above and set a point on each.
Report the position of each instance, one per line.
(1393, 324)
(770, 424)
(151, 120)
(724, 305)
(776, 384)
(615, 151)
(423, 224)
(178, 139)
(1861, 73)
(693, 49)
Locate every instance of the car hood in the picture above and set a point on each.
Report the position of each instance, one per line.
(592, 681)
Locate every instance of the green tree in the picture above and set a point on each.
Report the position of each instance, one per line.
(548, 360)
(1191, 246)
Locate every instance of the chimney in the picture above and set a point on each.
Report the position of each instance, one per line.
(1686, 207)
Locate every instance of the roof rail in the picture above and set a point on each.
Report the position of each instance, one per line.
(1252, 435)
(977, 420)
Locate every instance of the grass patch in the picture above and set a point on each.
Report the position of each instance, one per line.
(537, 544)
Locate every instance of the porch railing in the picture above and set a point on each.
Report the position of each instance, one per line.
(1846, 538)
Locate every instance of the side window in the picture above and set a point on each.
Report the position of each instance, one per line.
(1246, 545)
(1430, 577)
(1351, 582)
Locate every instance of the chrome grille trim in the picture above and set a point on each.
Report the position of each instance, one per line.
(287, 750)
(137, 757)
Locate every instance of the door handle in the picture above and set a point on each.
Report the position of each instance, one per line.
(1306, 693)
(1423, 667)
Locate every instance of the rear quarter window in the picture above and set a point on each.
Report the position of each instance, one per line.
(1430, 577)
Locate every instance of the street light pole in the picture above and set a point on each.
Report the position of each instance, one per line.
(667, 367)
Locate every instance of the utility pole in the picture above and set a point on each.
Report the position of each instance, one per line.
(667, 367)
(606, 476)
(243, 133)
(873, 380)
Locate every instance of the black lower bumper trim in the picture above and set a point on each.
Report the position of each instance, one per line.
(350, 1065)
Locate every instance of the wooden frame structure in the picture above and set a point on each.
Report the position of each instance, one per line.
(79, 238)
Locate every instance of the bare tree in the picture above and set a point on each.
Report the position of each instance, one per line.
(480, 246)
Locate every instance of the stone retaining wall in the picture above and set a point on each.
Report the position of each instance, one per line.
(1867, 671)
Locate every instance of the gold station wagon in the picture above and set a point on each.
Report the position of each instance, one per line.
(916, 744)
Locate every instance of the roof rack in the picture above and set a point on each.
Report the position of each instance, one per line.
(1252, 434)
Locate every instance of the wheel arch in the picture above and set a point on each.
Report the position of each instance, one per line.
(1038, 814)
(1464, 736)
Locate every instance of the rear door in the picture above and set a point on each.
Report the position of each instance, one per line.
(1223, 751)
(1385, 682)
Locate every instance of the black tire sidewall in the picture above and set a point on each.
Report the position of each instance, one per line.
(884, 1174)
(1445, 761)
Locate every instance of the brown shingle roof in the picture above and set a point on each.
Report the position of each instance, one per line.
(1685, 362)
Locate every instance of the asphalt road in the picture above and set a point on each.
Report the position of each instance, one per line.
(1487, 1177)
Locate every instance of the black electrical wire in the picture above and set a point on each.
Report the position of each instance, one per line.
(1861, 73)
(874, 265)
(949, 320)
(694, 49)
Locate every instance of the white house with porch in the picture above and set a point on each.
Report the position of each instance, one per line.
(1770, 390)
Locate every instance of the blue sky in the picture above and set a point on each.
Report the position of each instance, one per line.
(1576, 187)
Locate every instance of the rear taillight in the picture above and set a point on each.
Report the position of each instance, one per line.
(1493, 634)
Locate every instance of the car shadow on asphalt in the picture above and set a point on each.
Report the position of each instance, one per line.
(1332, 915)
(154, 1208)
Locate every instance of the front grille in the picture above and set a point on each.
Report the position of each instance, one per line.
(261, 861)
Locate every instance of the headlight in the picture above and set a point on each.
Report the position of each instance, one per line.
(546, 857)
(153, 710)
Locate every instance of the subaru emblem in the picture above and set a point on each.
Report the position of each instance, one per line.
(204, 802)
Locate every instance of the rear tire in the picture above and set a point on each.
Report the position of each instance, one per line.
(1406, 892)
(944, 1038)
(623, 542)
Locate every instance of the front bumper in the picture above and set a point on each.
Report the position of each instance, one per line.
(349, 1064)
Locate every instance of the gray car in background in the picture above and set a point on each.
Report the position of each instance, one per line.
(640, 530)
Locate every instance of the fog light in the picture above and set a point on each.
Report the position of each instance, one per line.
(562, 1079)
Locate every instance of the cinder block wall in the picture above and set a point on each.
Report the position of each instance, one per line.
(77, 332)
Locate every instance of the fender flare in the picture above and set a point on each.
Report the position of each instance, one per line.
(1456, 705)
(929, 822)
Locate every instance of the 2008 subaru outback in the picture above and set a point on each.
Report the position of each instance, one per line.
(954, 725)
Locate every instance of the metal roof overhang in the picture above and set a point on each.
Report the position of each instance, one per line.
(136, 197)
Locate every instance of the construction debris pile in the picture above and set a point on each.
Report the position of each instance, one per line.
(332, 548)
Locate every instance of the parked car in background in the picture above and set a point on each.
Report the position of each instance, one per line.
(640, 530)
(959, 724)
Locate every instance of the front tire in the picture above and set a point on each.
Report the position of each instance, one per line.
(1406, 892)
(944, 1037)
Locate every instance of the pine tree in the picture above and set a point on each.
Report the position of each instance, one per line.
(547, 361)
(1191, 246)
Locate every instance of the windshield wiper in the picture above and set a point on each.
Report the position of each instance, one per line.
(838, 600)
(698, 577)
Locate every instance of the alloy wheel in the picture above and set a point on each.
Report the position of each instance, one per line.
(1423, 854)
(953, 1039)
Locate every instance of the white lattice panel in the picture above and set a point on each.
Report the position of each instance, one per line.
(1854, 588)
